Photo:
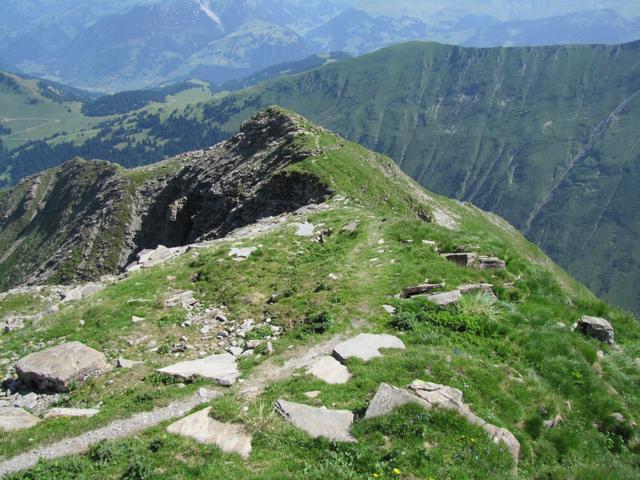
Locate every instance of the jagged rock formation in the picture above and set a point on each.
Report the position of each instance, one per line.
(86, 219)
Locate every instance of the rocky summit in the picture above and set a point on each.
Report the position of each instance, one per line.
(85, 219)
(288, 304)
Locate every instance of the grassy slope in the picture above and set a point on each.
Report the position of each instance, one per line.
(32, 116)
(537, 135)
(516, 370)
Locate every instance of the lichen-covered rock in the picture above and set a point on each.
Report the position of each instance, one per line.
(55, 369)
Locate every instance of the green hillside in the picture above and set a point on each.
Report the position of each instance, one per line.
(537, 135)
(310, 278)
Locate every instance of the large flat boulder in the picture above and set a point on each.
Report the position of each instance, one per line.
(366, 346)
(596, 327)
(228, 437)
(329, 370)
(222, 368)
(13, 419)
(55, 369)
(318, 422)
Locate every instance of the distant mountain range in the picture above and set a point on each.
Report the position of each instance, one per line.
(111, 46)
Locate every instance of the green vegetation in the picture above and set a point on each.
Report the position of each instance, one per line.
(537, 135)
(516, 359)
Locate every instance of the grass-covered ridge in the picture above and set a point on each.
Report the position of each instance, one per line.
(516, 360)
(538, 135)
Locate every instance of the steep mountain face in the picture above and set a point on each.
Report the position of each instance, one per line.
(537, 135)
(280, 333)
(85, 219)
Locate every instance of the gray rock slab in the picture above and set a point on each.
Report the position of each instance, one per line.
(13, 419)
(71, 412)
(421, 289)
(329, 370)
(387, 399)
(222, 368)
(124, 363)
(438, 395)
(366, 346)
(241, 253)
(56, 368)
(445, 298)
(464, 259)
(228, 437)
(304, 229)
(318, 422)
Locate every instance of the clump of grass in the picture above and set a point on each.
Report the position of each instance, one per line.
(259, 333)
(262, 419)
(479, 305)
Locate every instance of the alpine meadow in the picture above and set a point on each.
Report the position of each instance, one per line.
(347, 239)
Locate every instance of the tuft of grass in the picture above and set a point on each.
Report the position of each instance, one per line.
(479, 305)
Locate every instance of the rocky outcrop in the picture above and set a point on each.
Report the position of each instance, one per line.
(98, 218)
(430, 395)
(55, 369)
(596, 327)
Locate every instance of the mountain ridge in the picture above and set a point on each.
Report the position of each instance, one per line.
(373, 289)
